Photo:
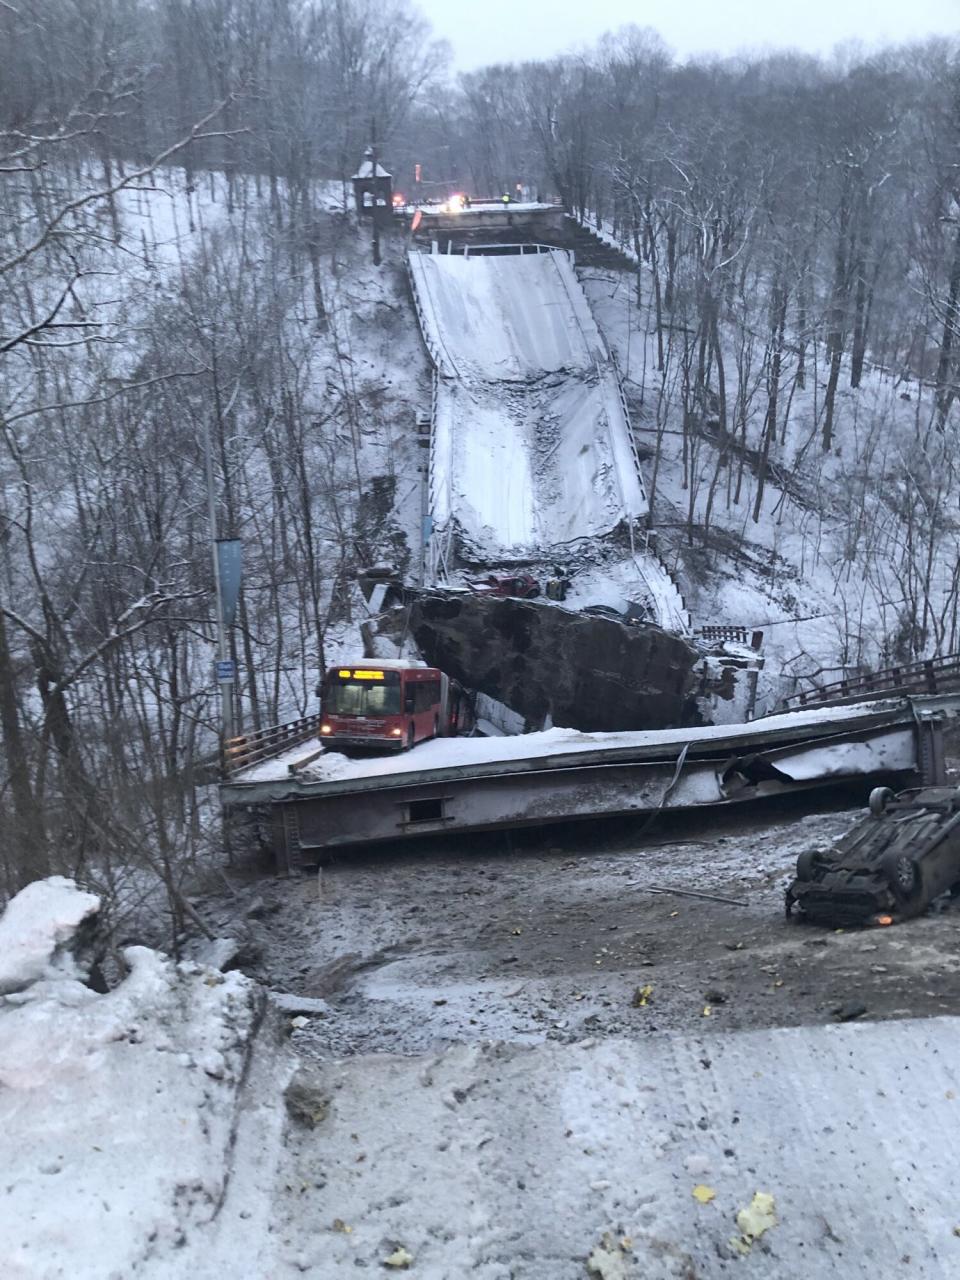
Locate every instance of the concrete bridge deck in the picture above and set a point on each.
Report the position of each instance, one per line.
(309, 803)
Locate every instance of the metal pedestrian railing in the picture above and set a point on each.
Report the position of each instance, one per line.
(252, 748)
(932, 675)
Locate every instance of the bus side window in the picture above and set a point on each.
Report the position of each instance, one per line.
(410, 699)
(430, 694)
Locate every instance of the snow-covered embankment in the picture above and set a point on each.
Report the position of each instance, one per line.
(125, 1117)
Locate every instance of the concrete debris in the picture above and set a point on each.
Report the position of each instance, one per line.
(306, 1097)
(400, 1259)
(287, 1002)
(608, 1259)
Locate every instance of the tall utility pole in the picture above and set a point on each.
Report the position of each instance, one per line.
(376, 196)
(224, 665)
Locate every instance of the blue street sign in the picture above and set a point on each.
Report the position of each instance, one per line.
(226, 671)
(229, 568)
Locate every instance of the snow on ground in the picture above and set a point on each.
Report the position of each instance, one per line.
(498, 1098)
(118, 1112)
(505, 1162)
(823, 593)
(35, 930)
(484, 1093)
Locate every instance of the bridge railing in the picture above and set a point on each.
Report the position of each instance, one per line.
(251, 748)
(721, 631)
(932, 675)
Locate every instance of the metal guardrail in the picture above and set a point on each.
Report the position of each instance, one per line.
(932, 675)
(520, 248)
(626, 414)
(252, 748)
(721, 631)
(441, 537)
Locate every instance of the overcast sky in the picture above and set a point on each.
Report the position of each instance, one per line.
(485, 31)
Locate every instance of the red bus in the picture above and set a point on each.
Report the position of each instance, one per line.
(390, 703)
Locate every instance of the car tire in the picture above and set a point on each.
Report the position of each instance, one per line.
(880, 797)
(807, 864)
(902, 874)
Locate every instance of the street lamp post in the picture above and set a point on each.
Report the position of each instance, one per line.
(224, 665)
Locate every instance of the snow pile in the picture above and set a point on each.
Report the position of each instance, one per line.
(119, 1112)
(36, 931)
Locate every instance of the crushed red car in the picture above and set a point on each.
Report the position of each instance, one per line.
(522, 585)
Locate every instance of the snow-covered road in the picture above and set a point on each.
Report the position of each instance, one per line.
(500, 1161)
(531, 446)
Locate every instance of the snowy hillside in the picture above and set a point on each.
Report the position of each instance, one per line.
(820, 561)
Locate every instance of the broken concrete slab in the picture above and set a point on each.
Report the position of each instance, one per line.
(577, 671)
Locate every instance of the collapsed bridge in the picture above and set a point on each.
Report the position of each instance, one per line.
(305, 803)
(531, 447)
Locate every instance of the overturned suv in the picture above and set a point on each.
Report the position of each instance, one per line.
(888, 867)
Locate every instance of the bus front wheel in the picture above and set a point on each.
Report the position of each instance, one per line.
(410, 736)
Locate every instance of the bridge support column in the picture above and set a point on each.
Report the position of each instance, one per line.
(287, 840)
(930, 755)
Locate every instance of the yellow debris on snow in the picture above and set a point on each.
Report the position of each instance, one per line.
(759, 1216)
(400, 1259)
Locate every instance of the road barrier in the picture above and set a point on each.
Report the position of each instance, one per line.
(932, 675)
(249, 749)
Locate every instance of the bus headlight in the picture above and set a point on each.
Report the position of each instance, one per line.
(396, 733)
(325, 728)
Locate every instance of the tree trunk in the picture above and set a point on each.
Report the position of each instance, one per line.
(29, 855)
(945, 388)
(778, 322)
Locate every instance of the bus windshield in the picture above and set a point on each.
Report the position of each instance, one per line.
(362, 698)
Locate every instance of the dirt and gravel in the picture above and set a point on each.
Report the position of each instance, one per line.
(559, 935)
(518, 1061)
